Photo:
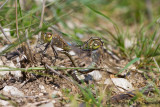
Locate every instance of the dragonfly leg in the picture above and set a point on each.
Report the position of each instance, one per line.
(70, 57)
(39, 46)
(46, 47)
(83, 71)
(55, 53)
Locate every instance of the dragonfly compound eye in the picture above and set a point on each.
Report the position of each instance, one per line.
(95, 44)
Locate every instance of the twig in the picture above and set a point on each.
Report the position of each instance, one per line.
(42, 13)
(57, 73)
(130, 94)
(72, 81)
(54, 29)
(41, 21)
(30, 56)
(17, 26)
(17, 22)
(4, 4)
(5, 35)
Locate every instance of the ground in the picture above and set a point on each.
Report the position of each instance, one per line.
(40, 89)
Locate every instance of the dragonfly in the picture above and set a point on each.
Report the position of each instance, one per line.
(55, 40)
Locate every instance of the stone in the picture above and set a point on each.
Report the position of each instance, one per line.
(50, 104)
(121, 83)
(96, 75)
(12, 91)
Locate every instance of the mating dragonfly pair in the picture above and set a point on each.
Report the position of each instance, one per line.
(54, 40)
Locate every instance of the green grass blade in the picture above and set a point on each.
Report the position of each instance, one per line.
(130, 63)
(29, 13)
(103, 15)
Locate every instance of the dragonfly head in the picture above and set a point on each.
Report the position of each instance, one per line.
(46, 37)
(95, 44)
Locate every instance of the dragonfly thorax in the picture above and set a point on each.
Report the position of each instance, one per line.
(56, 40)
